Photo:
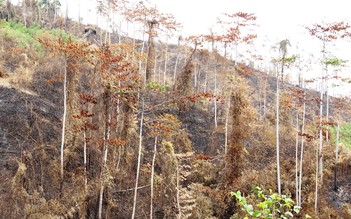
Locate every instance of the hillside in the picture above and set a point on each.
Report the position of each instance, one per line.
(85, 133)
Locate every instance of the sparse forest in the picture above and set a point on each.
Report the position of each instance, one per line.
(125, 122)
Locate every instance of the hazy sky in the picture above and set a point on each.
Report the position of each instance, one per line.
(280, 18)
(277, 19)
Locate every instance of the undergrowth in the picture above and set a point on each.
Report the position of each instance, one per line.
(345, 134)
(26, 37)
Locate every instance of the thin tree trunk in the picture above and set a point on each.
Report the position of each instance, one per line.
(66, 13)
(79, 15)
(327, 109)
(301, 149)
(120, 33)
(139, 159)
(176, 62)
(39, 14)
(215, 97)
(159, 71)
(259, 94)
(175, 66)
(64, 116)
(84, 210)
(165, 66)
(25, 13)
(133, 43)
(55, 14)
(140, 61)
(277, 137)
(320, 154)
(85, 159)
(195, 77)
(152, 178)
(151, 56)
(119, 158)
(319, 158)
(107, 95)
(226, 127)
(118, 131)
(297, 157)
(178, 193)
(336, 158)
(264, 98)
(316, 179)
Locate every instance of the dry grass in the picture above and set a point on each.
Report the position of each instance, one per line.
(21, 80)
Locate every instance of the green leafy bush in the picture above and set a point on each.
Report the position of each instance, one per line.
(268, 206)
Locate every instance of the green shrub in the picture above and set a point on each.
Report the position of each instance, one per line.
(268, 206)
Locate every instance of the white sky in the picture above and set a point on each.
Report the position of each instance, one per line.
(277, 19)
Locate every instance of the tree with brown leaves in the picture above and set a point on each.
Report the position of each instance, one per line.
(72, 54)
(326, 32)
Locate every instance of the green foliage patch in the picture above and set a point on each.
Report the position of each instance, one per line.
(26, 37)
(267, 206)
(345, 134)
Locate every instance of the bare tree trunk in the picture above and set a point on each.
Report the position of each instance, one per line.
(66, 13)
(159, 71)
(139, 159)
(64, 117)
(55, 14)
(226, 127)
(319, 158)
(118, 111)
(85, 160)
(327, 109)
(25, 13)
(215, 97)
(107, 96)
(156, 78)
(195, 77)
(177, 60)
(301, 149)
(165, 66)
(297, 157)
(277, 137)
(140, 61)
(316, 186)
(336, 158)
(85, 172)
(38, 14)
(178, 193)
(120, 34)
(176, 65)
(265, 98)
(79, 15)
(133, 43)
(259, 95)
(151, 56)
(152, 178)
